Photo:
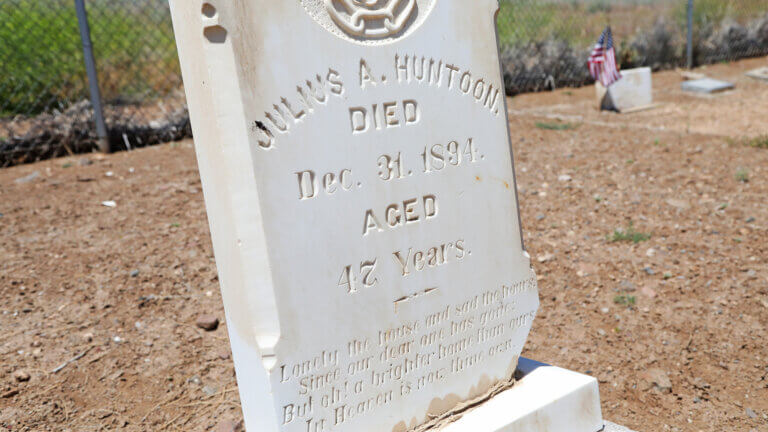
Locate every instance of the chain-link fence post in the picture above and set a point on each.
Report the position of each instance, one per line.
(690, 34)
(93, 79)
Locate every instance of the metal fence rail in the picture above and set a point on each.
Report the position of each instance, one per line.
(46, 107)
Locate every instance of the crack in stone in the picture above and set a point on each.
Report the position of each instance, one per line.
(440, 422)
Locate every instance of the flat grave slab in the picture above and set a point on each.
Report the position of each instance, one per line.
(759, 73)
(707, 86)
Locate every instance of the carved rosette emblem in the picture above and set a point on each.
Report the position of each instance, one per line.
(371, 18)
(369, 21)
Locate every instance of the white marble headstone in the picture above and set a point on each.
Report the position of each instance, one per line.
(358, 176)
(632, 92)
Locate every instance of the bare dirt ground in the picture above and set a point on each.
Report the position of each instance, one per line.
(100, 303)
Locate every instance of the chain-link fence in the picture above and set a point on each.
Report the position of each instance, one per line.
(545, 43)
(45, 108)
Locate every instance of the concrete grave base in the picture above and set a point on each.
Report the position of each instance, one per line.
(545, 399)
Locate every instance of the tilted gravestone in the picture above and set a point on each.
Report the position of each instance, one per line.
(633, 92)
(356, 162)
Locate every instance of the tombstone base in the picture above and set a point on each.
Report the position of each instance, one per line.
(545, 399)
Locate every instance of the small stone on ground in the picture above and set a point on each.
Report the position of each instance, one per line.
(229, 426)
(657, 379)
(207, 322)
(21, 376)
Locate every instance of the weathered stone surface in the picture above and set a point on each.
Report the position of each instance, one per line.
(356, 164)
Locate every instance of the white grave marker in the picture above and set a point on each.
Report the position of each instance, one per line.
(356, 163)
(633, 92)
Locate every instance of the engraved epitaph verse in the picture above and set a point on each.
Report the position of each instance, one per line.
(375, 188)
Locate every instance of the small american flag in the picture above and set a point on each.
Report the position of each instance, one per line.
(602, 61)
